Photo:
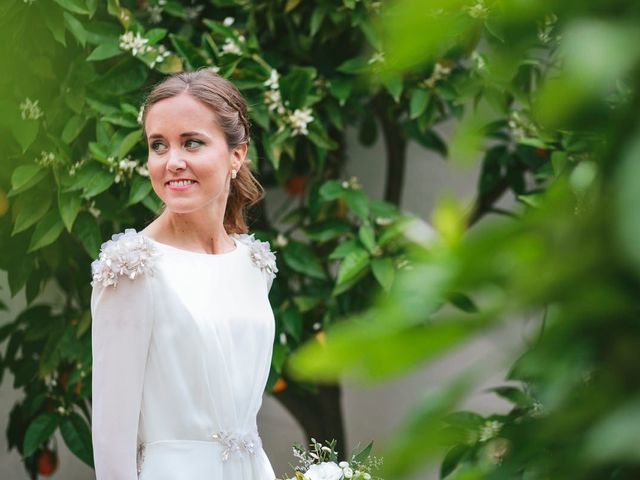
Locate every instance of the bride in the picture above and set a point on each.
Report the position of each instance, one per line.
(182, 328)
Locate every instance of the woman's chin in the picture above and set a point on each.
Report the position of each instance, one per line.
(181, 207)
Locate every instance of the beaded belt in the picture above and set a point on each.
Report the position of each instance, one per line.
(248, 443)
(232, 443)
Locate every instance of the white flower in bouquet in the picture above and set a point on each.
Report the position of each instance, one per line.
(321, 462)
(324, 471)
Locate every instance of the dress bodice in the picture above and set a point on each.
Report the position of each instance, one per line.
(182, 345)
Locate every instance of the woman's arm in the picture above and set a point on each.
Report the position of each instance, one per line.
(122, 319)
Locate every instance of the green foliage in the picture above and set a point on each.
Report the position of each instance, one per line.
(568, 257)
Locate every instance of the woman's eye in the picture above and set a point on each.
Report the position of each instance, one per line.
(197, 142)
(154, 145)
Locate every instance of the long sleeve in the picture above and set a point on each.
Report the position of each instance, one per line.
(122, 321)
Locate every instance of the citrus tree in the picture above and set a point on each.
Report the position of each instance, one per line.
(75, 172)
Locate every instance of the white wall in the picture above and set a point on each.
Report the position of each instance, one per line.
(372, 412)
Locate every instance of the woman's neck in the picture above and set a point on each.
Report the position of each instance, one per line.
(202, 232)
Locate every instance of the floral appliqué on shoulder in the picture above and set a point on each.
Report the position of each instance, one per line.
(126, 254)
(261, 254)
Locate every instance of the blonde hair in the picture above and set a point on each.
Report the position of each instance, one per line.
(230, 109)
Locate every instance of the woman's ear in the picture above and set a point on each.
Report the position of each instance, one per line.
(238, 156)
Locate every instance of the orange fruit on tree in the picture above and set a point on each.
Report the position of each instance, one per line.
(295, 185)
(47, 461)
(64, 378)
(279, 386)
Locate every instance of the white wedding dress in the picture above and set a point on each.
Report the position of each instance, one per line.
(182, 344)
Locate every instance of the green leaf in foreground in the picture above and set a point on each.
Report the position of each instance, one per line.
(47, 231)
(38, 431)
(77, 436)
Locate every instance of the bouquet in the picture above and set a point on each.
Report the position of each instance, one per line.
(320, 462)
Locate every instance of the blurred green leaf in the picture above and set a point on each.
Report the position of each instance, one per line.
(128, 143)
(140, 188)
(88, 233)
(25, 177)
(69, 204)
(296, 86)
(77, 437)
(39, 430)
(352, 264)
(75, 6)
(301, 258)
(47, 231)
(31, 208)
(384, 272)
(73, 128)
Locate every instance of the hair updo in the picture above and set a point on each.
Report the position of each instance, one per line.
(230, 110)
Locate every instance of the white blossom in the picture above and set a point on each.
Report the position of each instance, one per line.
(231, 47)
(46, 159)
(93, 210)
(30, 110)
(496, 450)
(299, 120)
(489, 430)
(127, 254)
(272, 81)
(283, 338)
(75, 166)
(537, 409)
(521, 127)
(546, 29)
(273, 99)
(142, 170)
(478, 60)
(377, 57)
(124, 168)
(348, 472)
(49, 381)
(281, 241)
(478, 10)
(193, 12)
(214, 69)
(161, 53)
(352, 183)
(383, 221)
(440, 71)
(155, 13)
(134, 43)
(324, 471)
(227, 22)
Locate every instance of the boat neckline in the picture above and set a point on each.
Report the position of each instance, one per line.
(199, 254)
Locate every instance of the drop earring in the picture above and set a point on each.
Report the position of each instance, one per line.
(234, 173)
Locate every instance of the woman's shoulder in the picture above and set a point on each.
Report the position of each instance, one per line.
(128, 253)
(260, 253)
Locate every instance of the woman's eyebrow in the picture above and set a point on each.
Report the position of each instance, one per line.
(185, 134)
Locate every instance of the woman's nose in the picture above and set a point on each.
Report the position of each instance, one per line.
(175, 162)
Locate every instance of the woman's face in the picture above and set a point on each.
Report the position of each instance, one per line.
(186, 144)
